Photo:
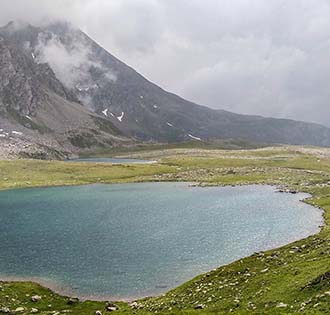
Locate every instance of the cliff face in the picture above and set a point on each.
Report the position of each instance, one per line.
(18, 86)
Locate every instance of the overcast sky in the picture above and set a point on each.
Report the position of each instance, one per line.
(268, 57)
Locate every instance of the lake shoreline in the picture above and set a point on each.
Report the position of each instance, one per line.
(66, 291)
(295, 268)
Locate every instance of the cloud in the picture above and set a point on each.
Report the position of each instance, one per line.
(71, 59)
(70, 66)
(249, 56)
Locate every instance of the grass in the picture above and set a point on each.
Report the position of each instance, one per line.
(34, 173)
(288, 280)
(229, 144)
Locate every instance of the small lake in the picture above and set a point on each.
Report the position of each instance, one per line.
(111, 160)
(132, 240)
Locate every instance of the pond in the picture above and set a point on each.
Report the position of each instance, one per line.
(132, 240)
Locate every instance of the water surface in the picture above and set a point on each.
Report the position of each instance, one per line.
(133, 240)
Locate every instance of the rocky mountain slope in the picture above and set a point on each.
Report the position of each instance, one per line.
(60, 87)
(39, 116)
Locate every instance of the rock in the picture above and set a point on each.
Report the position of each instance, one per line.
(4, 310)
(34, 310)
(19, 309)
(72, 301)
(98, 313)
(135, 305)
(281, 305)
(110, 307)
(199, 306)
(35, 298)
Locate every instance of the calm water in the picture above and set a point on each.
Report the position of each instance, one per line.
(133, 240)
(111, 160)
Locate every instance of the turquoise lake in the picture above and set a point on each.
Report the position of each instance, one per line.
(132, 240)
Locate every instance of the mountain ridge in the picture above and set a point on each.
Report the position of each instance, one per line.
(62, 69)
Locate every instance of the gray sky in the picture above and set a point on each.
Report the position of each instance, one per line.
(268, 57)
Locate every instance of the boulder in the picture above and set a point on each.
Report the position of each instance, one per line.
(110, 307)
(72, 301)
(134, 304)
(19, 309)
(4, 310)
(199, 306)
(35, 298)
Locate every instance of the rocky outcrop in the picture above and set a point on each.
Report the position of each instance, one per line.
(18, 89)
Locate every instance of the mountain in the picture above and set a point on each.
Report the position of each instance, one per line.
(39, 116)
(70, 91)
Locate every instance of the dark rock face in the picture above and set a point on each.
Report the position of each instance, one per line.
(17, 88)
(62, 78)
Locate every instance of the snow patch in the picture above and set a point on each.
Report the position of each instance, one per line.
(169, 124)
(105, 112)
(120, 118)
(82, 88)
(17, 133)
(2, 135)
(193, 137)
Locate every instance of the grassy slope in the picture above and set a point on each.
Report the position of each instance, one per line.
(227, 144)
(296, 275)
